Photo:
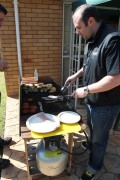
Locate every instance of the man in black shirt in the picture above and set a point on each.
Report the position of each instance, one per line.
(101, 81)
(3, 67)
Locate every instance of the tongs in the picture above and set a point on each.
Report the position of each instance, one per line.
(55, 97)
(65, 88)
(59, 97)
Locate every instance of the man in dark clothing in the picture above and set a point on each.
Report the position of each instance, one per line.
(3, 67)
(101, 81)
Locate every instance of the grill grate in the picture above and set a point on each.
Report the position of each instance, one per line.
(57, 107)
(29, 102)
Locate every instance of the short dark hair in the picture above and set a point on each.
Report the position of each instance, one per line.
(3, 9)
(90, 11)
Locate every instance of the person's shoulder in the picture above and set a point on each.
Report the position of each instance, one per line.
(113, 35)
(112, 38)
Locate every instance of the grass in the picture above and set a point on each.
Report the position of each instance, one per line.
(3, 103)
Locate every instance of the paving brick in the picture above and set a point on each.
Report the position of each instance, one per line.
(16, 153)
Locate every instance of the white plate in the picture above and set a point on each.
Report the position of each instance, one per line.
(69, 117)
(37, 123)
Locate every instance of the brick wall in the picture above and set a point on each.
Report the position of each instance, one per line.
(41, 40)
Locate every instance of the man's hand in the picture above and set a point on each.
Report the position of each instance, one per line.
(3, 65)
(79, 93)
(70, 80)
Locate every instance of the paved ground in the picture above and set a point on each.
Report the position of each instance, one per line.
(16, 153)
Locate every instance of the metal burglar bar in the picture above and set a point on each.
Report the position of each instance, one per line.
(76, 58)
(72, 48)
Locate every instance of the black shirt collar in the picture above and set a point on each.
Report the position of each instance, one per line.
(98, 34)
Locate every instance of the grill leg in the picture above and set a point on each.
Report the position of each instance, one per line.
(26, 153)
(70, 149)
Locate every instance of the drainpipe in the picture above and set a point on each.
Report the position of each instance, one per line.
(18, 37)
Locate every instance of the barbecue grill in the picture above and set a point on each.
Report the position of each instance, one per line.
(32, 97)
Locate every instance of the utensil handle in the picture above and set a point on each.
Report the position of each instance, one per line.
(40, 105)
(65, 87)
(68, 95)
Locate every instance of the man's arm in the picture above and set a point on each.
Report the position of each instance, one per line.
(107, 83)
(73, 77)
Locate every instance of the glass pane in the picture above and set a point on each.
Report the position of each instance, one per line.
(67, 28)
(65, 69)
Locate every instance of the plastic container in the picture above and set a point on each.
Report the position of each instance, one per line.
(51, 163)
(36, 75)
